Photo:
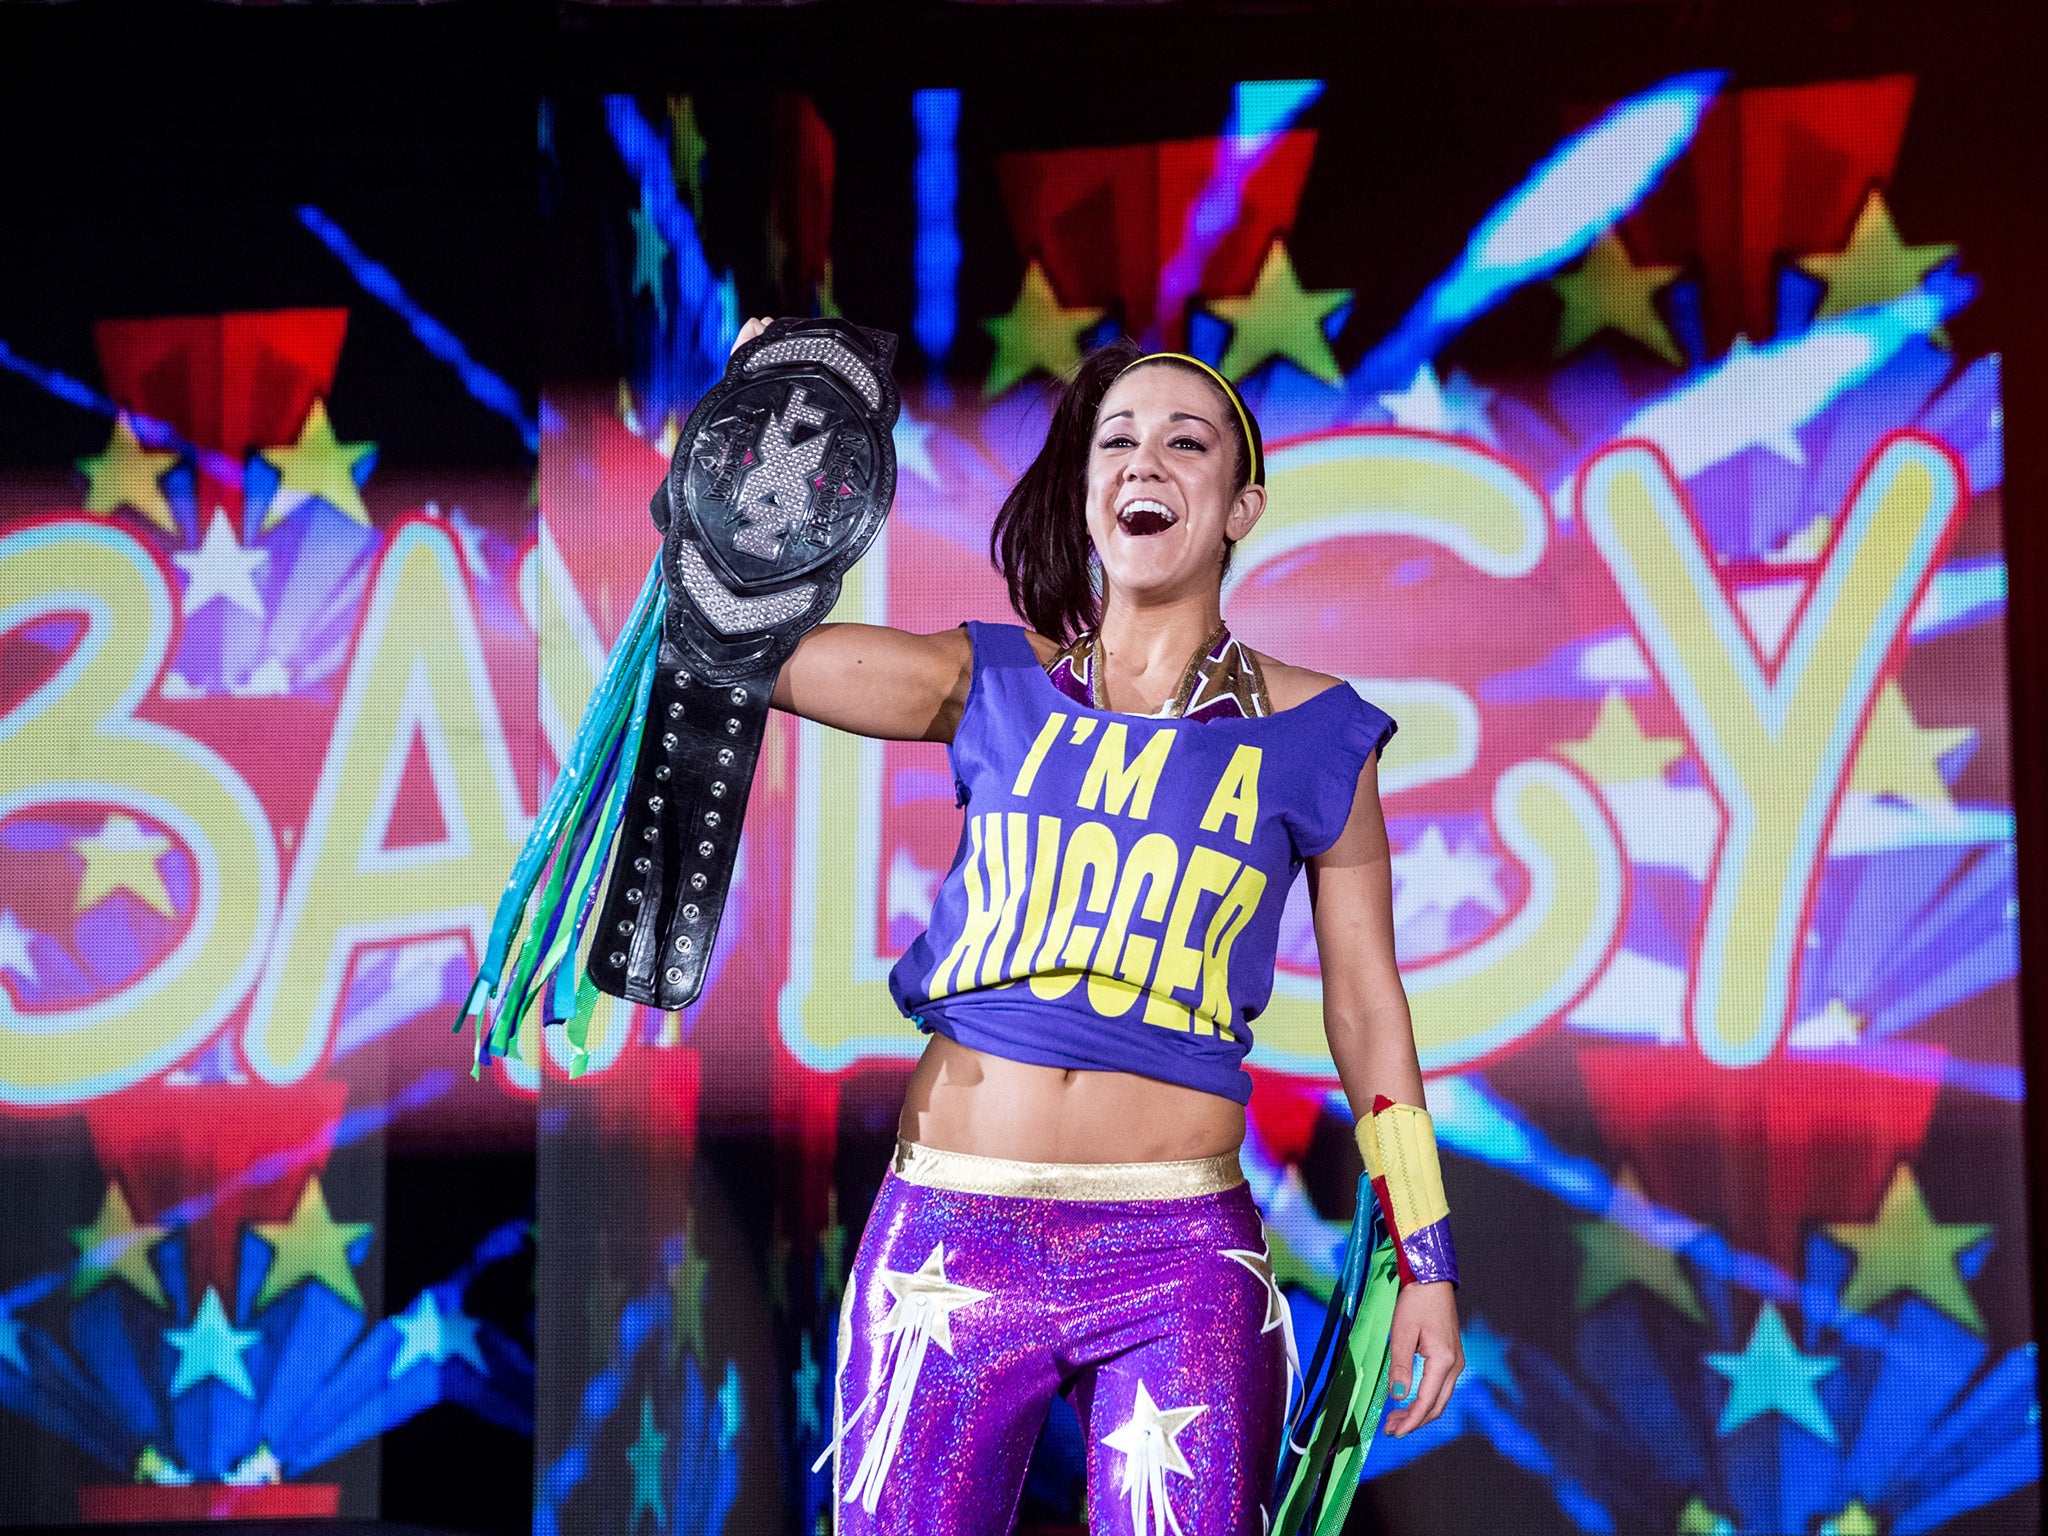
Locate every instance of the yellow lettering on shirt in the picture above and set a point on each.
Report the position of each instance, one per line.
(1048, 733)
(1007, 863)
(1045, 868)
(1237, 795)
(1112, 783)
(1180, 964)
(1124, 959)
(962, 959)
(1062, 960)
(1232, 913)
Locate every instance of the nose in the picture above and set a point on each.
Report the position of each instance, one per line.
(1143, 464)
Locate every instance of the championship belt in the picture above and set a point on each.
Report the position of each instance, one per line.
(780, 480)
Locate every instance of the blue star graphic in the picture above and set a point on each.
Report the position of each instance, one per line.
(1772, 1376)
(913, 450)
(645, 1455)
(211, 1347)
(10, 1342)
(1486, 1359)
(431, 1335)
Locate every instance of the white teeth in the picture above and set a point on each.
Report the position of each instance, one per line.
(1145, 504)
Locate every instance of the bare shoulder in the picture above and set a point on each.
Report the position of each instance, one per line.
(1041, 647)
(1290, 686)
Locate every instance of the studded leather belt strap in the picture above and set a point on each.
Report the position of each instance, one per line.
(780, 480)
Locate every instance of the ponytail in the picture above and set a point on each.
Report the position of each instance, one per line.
(1040, 541)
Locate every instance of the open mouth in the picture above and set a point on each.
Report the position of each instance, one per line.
(1142, 517)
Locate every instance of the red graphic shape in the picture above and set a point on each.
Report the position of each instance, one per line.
(1284, 1111)
(123, 1504)
(1773, 174)
(240, 1150)
(800, 200)
(231, 382)
(1761, 1152)
(416, 819)
(1102, 222)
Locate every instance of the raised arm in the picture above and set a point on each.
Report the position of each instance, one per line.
(879, 682)
(1372, 1042)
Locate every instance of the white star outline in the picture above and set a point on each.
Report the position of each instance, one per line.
(1149, 1440)
(921, 1310)
(1278, 1313)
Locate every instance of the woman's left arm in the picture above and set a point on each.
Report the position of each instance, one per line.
(1372, 1041)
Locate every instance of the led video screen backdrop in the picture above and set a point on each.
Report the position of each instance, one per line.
(267, 740)
(1665, 518)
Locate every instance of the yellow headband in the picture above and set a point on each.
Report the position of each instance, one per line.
(1244, 417)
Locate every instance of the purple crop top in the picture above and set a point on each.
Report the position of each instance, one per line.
(1115, 902)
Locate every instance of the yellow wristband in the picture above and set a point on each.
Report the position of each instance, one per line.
(1398, 1142)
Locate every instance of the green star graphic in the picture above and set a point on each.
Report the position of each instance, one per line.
(211, 1347)
(645, 1454)
(311, 1246)
(1698, 1520)
(686, 1279)
(1616, 1256)
(1280, 318)
(1607, 291)
(1875, 267)
(687, 149)
(116, 1245)
(1039, 333)
(1906, 1249)
(1772, 1376)
(832, 1250)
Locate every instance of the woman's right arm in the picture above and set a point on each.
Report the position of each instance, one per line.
(881, 682)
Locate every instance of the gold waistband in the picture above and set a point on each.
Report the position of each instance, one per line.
(969, 1174)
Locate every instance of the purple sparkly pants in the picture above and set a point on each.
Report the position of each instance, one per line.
(1142, 1291)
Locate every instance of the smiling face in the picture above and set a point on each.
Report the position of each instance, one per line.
(1164, 468)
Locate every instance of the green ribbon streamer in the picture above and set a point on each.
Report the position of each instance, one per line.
(1325, 1480)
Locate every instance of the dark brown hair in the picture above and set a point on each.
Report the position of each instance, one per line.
(1040, 541)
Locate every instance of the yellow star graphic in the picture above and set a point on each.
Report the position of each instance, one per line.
(1906, 1249)
(311, 1246)
(1616, 1256)
(1037, 333)
(1280, 318)
(126, 474)
(115, 1245)
(1852, 1519)
(1608, 292)
(317, 465)
(1875, 267)
(122, 857)
(1899, 756)
(1617, 751)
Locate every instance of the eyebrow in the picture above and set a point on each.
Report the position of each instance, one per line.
(1176, 416)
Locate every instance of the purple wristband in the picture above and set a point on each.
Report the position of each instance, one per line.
(1429, 1255)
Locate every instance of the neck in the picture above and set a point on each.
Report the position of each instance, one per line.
(1146, 646)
